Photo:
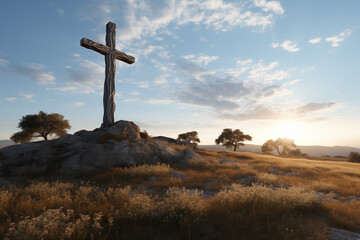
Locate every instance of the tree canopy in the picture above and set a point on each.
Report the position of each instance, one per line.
(285, 143)
(40, 125)
(232, 139)
(190, 137)
(354, 157)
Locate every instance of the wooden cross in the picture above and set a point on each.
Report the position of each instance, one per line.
(110, 54)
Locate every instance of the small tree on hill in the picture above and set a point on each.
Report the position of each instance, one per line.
(286, 144)
(354, 157)
(40, 125)
(232, 139)
(190, 137)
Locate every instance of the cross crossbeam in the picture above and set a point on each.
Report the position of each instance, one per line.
(110, 54)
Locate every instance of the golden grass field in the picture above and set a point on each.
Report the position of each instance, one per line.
(225, 196)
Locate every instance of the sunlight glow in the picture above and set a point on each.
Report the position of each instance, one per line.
(289, 129)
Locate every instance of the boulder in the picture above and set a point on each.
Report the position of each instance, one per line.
(89, 151)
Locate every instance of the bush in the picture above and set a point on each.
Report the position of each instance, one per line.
(354, 157)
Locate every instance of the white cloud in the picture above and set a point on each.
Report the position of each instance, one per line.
(76, 55)
(289, 46)
(11, 99)
(135, 93)
(244, 62)
(150, 49)
(159, 65)
(337, 39)
(159, 50)
(315, 40)
(27, 97)
(255, 96)
(36, 73)
(87, 77)
(78, 104)
(201, 59)
(190, 56)
(293, 82)
(312, 107)
(142, 84)
(132, 99)
(206, 59)
(3, 62)
(266, 73)
(158, 101)
(275, 45)
(274, 6)
(64, 89)
(145, 18)
(161, 80)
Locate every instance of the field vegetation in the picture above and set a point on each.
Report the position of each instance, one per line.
(227, 195)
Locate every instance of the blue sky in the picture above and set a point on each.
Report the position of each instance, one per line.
(269, 68)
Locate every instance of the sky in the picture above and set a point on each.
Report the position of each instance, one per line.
(269, 68)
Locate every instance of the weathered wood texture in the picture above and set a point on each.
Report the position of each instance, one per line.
(98, 47)
(110, 69)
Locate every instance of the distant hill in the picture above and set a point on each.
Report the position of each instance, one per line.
(4, 143)
(311, 150)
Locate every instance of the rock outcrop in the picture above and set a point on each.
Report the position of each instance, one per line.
(88, 151)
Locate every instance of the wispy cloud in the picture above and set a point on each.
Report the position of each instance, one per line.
(244, 62)
(159, 50)
(146, 18)
(338, 39)
(201, 59)
(3, 62)
(266, 73)
(161, 80)
(315, 40)
(27, 97)
(86, 77)
(10, 99)
(287, 46)
(274, 6)
(312, 107)
(254, 94)
(78, 104)
(34, 71)
(158, 101)
(22, 96)
(142, 84)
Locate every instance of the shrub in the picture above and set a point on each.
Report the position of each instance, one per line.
(354, 157)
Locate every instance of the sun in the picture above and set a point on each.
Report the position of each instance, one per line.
(289, 129)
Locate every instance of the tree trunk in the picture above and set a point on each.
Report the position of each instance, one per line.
(277, 148)
(235, 148)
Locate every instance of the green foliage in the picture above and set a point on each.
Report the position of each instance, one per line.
(189, 137)
(232, 139)
(286, 144)
(40, 125)
(354, 157)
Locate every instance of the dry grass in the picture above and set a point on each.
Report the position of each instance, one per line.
(225, 196)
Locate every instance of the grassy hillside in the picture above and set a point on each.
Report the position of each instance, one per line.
(225, 196)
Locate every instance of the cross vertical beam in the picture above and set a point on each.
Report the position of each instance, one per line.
(109, 84)
(110, 54)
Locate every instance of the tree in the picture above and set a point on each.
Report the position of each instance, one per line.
(40, 125)
(354, 157)
(230, 138)
(286, 144)
(269, 146)
(190, 137)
